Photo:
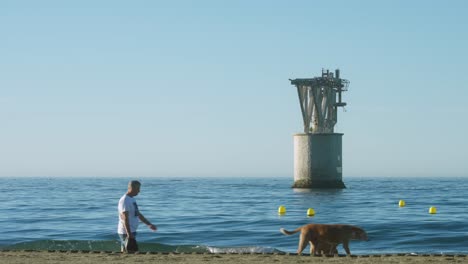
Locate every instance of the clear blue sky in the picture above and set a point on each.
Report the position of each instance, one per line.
(200, 88)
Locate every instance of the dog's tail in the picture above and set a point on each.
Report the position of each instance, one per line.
(286, 232)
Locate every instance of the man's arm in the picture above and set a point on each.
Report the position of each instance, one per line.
(148, 223)
(127, 224)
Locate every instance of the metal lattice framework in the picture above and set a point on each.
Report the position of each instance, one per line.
(320, 98)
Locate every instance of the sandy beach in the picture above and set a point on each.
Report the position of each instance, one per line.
(114, 257)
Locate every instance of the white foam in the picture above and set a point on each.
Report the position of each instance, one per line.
(237, 250)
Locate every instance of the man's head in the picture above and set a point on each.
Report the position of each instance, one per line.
(133, 188)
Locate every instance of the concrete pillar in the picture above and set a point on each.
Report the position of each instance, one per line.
(318, 161)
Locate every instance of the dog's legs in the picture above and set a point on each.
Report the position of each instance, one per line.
(346, 247)
(312, 248)
(333, 249)
(302, 243)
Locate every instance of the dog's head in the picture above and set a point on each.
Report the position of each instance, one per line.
(359, 234)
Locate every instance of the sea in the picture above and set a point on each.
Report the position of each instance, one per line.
(234, 215)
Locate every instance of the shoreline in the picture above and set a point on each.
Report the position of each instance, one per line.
(104, 257)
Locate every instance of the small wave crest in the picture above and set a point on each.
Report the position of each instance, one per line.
(237, 250)
(66, 245)
(112, 245)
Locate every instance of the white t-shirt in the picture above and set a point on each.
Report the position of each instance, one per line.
(128, 204)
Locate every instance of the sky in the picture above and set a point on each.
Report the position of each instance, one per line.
(201, 88)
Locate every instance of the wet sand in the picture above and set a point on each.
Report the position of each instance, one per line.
(114, 257)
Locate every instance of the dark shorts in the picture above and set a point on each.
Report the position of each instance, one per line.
(123, 238)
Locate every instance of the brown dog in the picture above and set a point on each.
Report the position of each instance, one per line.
(326, 237)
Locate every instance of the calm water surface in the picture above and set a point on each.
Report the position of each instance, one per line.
(233, 215)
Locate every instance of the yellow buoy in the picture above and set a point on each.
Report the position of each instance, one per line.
(401, 203)
(281, 210)
(310, 212)
(432, 210)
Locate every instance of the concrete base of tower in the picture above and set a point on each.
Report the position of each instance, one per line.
(318, 161)
(319, 184)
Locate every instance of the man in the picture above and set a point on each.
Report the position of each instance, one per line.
(128, 218)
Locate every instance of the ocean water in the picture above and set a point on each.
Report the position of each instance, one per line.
(233, 214)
